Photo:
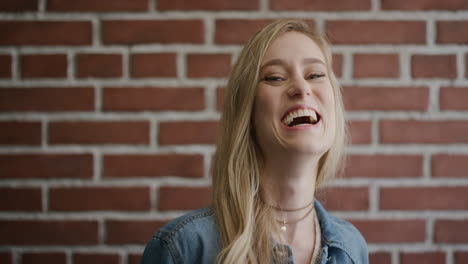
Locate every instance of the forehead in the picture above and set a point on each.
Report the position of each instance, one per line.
(291, 46)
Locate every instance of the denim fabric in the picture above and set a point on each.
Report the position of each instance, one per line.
(194, 238)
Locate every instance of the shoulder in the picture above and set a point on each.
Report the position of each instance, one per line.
(341, 234)
(192, 236)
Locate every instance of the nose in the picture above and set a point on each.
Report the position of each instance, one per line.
(299, 88)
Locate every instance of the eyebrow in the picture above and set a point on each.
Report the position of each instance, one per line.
(282, 62)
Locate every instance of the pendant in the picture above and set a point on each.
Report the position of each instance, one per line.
(283, 227)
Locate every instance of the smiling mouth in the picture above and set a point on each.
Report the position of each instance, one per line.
(301, 117)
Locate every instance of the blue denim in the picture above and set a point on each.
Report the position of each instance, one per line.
(194, 238)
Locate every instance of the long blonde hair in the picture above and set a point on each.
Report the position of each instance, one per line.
(246, 226)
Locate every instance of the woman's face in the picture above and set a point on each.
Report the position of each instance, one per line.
(294, 104)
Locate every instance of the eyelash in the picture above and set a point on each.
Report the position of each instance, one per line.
(277, 78)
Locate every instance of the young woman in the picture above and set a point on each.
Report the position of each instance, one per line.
(282, 136)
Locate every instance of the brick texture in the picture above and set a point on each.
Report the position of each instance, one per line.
(99, 132)
(376, 32)
(320, 5)
(98, 65)
(442, 66)
(153, 165)
(167, 5)
(48, 166)
(137, 31)
(453, 98)
(131, 231)
(5, 66)
(421, 198)
(183, 198)
(386, 98)
(346, 198)
(208, 65)
(380, 257)
(105, 258)
(20, 199)
(452, 32)
(199, 132)
(97, 6)
(435, 132)
(18, 5)
(426, 257)
(424, 5)
(461, 257)
(360, 132)
(99, 199)
(47, 257)
(44, 66)
(47, 99)
(6, 257)
(449, 165)
(376, 66)
(153, 65)
(153, 99)
(134, 258)
(392, 231)
(48, 232)
(384, 166)
(451, 231)
(20, 133)
(45, 32)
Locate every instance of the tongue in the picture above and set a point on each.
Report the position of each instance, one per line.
(300, 120)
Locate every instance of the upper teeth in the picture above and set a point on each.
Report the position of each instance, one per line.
(300, 112)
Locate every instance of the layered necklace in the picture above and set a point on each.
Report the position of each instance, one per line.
(285, 222)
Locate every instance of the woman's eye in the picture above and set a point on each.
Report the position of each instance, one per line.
(273, 79)
(316, 75)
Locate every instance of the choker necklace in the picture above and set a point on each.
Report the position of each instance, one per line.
(291, 210)
(284, 222)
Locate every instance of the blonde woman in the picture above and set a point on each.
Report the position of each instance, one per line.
(282, 136)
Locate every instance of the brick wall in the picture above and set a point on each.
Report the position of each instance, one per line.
(109, 113)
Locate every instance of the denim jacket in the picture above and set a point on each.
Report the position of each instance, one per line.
(194, 238)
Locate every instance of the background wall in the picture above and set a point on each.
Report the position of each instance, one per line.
(109, 112)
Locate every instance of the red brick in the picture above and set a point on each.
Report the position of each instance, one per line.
(424, 5)
(164, 31)
(102, 258)
(376, 32)
(376, 66)
(43, 257)
(345, 198)
(6, 258)
(380, 258)
(384, 166)
(386, 98)
(337, 62)
(98, 65)
(221, 5)
(452, 32)
(461, 257)
(449, 165)
(220, 98)
(183, 198)
(156, 165)
(153, 65)
(451, 231)
(153, 99)
(322, 5)
(131, 231)
(5, 66)
(435, 132)
(47, 99)
(441, 66)
(45, 32)
(239, 31)
(48, 232)
(47, 166)
(392, 231)
(99, 199)
(136, 258)
(20, 199)
(188, 132)
(20, 133)
(453, 98)
(360, 132)
(466, 63)
(18, 5)
(422, 198)
(422, 257)
(208, 65)
(99, 132)
(44, 66)
(97, 6)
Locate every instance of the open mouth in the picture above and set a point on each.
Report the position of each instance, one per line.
(301, 117)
